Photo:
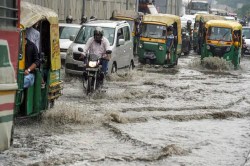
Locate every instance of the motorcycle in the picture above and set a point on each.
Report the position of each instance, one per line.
(93, 76)
(186, 43)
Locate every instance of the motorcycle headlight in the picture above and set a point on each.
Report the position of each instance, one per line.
(161, 48)
(92, 63)
(228, 49)
(140, 45)
(208, 47)
(70, 52)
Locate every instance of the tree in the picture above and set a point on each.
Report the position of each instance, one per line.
(231, 3)
(244, 11)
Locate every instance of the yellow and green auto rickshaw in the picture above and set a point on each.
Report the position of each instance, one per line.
(33, 100)
(133, 18)
(152, 46)
(223, 39)
(199, 29)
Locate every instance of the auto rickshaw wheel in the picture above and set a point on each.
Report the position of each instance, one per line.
(51, 104)
(176, 62)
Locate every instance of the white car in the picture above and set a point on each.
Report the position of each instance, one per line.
(246, 34)
(65, 31)
(121, 43)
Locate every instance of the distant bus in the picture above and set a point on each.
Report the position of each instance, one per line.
(195, 6)
(147, 7)
(9, 46)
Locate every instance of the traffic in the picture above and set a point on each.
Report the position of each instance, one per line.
(139, 76)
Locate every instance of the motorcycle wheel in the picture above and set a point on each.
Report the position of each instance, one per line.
(89, 87)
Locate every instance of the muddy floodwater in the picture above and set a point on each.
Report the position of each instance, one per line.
(181, 116)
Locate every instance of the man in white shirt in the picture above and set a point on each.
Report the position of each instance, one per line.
(98, 45)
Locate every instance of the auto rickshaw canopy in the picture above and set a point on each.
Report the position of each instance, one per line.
(225, 24)
(31, 14)
(207, 17)
(163, 19)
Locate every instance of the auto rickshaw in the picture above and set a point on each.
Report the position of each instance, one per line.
(35, 99)
(133, 18)
(199, 29)
(223, 39)
(152, 46)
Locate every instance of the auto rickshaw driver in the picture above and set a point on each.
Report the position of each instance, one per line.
(169, 42)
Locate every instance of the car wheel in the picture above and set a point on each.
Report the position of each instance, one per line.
(114, 68)
(131, 66)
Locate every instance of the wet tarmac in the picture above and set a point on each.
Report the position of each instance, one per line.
(186, 115)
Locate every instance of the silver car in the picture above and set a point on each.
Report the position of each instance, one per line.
(121, 43)
(65, 31)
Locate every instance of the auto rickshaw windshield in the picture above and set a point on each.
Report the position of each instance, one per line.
(220, 33)
(154, 31)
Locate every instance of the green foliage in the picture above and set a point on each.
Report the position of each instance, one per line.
(244, 11)
(231, 3)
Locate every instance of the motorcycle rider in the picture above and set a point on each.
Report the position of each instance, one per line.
(98, 45)
(69, 19)
(84, 19)
(190, 32)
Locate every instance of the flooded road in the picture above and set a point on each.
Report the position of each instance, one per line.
(157, 116)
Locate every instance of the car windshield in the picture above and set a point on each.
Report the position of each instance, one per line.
(66, 32)
(88, 31)
(154, 31)
(219, 33)
(246, 32)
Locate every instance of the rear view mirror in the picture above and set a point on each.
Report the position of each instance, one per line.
(72, 37)
(121, 42)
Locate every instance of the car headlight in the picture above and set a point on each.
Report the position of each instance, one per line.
(208, 47)
(70, 52)
(140, 45)
(92, 63)
(161, 48)
(228, 49)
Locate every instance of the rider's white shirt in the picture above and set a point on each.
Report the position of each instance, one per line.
(96, 48)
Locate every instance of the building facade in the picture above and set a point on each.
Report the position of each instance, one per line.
(102, 9)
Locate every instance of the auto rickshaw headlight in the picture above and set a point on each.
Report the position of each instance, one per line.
(161, 48)
(228, 49)
(208, 47)
(140, 46)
